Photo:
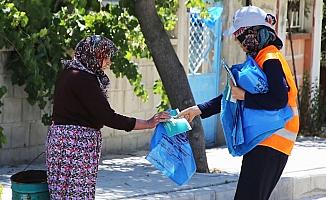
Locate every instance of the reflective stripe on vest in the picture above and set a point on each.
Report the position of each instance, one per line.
(295, 111)
(288, 134)
(282, 140)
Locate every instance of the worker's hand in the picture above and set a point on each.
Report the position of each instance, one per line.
(157, 118)
(189, 113)
(237, 92)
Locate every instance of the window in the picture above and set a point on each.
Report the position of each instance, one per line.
(296, 14)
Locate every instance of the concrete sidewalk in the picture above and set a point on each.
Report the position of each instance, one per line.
(132, 177)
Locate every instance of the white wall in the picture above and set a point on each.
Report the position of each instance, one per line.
(21, 122)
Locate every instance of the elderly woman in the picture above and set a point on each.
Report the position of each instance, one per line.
(80, 110)
(261, 167)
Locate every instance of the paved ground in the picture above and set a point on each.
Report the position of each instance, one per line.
(132, 177)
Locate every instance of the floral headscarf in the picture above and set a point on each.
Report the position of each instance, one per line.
(89, 55)
(255, 38)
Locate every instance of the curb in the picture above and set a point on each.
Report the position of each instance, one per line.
(292, 186)
(301, 185)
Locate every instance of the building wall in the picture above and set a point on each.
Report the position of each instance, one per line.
(26, 135)
(301, 43)
(21, 122)
(123, 100)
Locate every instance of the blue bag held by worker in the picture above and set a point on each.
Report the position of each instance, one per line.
(231, 121)
(250, 77)
(245, 128)
(172, 155)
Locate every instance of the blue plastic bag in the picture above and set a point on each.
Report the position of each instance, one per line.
(245, 128)
(172, 155)
(231, 122)
(250, 77)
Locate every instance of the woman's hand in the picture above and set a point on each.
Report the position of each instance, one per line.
(157, 118)
(237, 92)
(189, 113)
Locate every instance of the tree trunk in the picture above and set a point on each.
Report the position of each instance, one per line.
(171, 72)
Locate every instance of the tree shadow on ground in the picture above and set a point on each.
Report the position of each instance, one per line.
(133, 176)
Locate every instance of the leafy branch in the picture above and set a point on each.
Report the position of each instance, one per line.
(42, 32)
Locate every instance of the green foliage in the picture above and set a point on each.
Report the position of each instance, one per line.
(159, 90)
(312, 108)
(42, 32)
(3, 140)
(38, 50)
(201, 5)
(167, 11)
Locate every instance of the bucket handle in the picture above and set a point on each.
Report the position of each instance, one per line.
(31, 162)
